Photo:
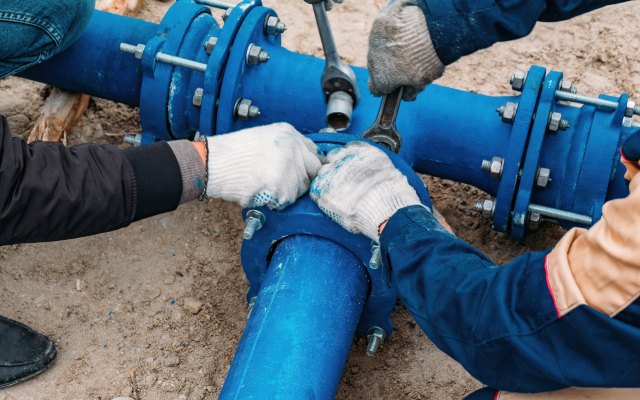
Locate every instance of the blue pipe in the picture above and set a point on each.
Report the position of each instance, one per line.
(95, 65)
(299, 332)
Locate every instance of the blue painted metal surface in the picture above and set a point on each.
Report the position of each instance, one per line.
(300, 330)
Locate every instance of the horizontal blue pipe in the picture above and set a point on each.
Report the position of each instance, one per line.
(95, 65)
(297, 338)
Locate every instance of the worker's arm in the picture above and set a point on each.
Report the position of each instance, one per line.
(49, 192)
(542, 322)
(412, 40)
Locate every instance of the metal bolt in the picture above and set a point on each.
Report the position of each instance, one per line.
(376, 337)
(543, 177)
(197, 97)
(494, 167)
(256, 55)
(245, 110)
(197, 136)
(508, 112)
(561, 214)
(273, 26)
(164, 58)
(486, 207)
(376, 256)
(555, 122)
(223, 5)
(630, 123)
(631, 106)
(254, 222)
(210, 44)
(517, 80)
(135, 140)
(534, 220)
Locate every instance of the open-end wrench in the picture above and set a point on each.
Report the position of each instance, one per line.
(383, 130)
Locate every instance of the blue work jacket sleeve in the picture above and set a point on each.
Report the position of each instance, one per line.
(501, 322)
(460, 27)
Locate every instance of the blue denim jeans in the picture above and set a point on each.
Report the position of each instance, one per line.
(31, 31)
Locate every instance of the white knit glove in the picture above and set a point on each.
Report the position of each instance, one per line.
(360, 188)
(401, 52)
(265, 166)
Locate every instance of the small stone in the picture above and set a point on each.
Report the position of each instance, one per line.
(172, 361)
(192, 305)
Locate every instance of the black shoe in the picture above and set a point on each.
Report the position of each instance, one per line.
(24, 353)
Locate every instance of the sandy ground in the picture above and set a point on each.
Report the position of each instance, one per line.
(120, 305)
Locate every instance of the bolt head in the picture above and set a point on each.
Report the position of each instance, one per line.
(567, 86)
(197, 97)
(517, 80)
(555, 119)
(631, 105)
(543, 178)
(210, 44)
(255, 214)
(497, 165)
(273, 26)
(534, 220)
(509, 112)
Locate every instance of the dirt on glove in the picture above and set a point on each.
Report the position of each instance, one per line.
(155, 311)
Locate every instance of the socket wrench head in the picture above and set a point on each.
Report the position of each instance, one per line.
(339, 111)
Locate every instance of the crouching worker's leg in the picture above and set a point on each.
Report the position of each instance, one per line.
(32, 31)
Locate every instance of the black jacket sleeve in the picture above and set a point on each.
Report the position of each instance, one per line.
(49, 192)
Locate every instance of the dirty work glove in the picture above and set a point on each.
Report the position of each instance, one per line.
(401, 52)
(265, 166)
(360, 188)
(328, 4)
(631, 155)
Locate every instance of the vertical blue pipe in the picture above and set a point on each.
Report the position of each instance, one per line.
(95, 65)
(298, 335)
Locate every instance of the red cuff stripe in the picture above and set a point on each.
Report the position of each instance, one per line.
(497, 396)
(553, 296)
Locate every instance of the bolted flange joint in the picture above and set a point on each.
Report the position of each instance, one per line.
(245, 110)
(508, 112)
(376, 337)
(273, 26)
(256, 55)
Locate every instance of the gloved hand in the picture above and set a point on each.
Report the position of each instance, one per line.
(360, 188)
(328, 4)
(401, 52)
(631, 155)
(265, 166)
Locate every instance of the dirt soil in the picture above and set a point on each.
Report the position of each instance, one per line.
(155, 311)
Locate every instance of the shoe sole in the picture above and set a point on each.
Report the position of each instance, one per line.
(26, 378)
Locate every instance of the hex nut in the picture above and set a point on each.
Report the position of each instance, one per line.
(273, 26)
(210, 44)
(631, 105)
(534, 220)
(486, 207)
(517, 80)
(139, 51)
(497, 165)
(543, 178)
(245, 109)
(256, 55)
(508, 112)
(197, 97)
(555, 119)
